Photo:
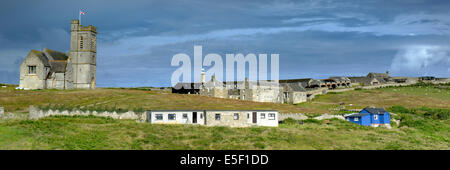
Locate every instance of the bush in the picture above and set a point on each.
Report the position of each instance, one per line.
(398, 109)
(259, 145)
(290, 121)
(313, 121)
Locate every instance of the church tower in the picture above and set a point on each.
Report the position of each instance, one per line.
(83, 54)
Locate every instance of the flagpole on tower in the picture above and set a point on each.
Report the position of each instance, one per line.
(79, 15)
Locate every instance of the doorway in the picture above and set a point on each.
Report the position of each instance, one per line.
(194, 117)
(254, 117)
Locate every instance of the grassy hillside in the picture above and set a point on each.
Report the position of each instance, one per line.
(423, 111)
(410, 97)
(103, 133)
(433, 96)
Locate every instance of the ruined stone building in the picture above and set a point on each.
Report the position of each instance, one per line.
(50, 69)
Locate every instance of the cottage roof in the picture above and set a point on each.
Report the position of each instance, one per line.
(295, 80)
(340, 78)
(378, 74)
(375, 110)
(181, 85)
(293, 86)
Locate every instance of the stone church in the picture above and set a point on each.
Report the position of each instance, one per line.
(50, 69)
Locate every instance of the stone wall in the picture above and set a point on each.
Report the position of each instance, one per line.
(36, 113)
(296, 116)
(2, 111)
(328, 116)
(300, 116)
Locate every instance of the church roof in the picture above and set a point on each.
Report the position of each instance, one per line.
(57, 60)
(41, 57)
(55, 55)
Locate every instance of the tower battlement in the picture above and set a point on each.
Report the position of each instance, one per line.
(77, 27)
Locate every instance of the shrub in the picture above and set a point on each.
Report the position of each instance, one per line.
(259, 145)
(312, 121)
(398, 109)
(290, 121)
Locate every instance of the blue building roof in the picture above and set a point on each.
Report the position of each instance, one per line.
(357, 115)
(375, 110)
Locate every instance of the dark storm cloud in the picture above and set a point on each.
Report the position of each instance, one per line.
(315, 38)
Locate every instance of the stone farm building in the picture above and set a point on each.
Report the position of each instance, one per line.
(50, 69)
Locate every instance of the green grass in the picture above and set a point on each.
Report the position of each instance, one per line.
(423, 111)
(94, 133)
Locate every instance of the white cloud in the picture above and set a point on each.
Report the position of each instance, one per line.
(421, 59)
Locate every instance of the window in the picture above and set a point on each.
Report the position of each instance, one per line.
(81, 42)
(218, 116)
(263, 115)
(356, 119)
(201, 115)
(159, 117)
(375, 117)
(271, 116)
(248, 115)
(236, 116)
(31, 69)
(184, 115)
(172, 116)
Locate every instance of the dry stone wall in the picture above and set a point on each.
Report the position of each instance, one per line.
(296, 116)
(36, 113)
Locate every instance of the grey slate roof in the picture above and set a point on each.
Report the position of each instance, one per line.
(41, 57)
(296, 87)
(55, 55)
(57, 60)
(378, 74)
(375, 110)
(344, 79)
(295, 80)
(357, 115)
(192, 85)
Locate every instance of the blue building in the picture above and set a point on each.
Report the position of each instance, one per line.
(370, 117)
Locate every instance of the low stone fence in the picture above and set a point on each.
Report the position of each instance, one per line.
(329, 116)
(301, 116)
(8, 115)
(296, 116)
(385, 85)
(341, 90)
(36, 113)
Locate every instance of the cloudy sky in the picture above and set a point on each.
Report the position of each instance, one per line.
(315, 38)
